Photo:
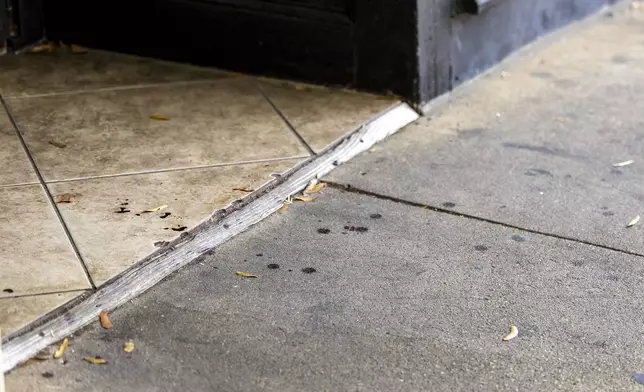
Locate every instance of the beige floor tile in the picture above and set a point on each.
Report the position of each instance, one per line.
(110, 241)
(15, 313)
(321, 115)
(16, 168)
(111, 132)
(36, 256)
(31, 74)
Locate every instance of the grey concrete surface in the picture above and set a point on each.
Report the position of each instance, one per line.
(418, 301)
(533, 143)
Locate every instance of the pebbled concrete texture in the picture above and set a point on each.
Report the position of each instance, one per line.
(419, 300)
(533, 143)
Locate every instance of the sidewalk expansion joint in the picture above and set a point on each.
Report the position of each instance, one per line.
(352, 189)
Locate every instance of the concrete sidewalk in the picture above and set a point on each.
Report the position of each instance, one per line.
(501, 208)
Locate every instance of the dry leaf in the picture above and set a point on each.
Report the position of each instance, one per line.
(372, 149)
(61, 350)
(155, 209)
(43, 354)
(66, 197)
(95, 360)
(128, 347)
(634, 221)
(304, 198)
(247, 190)
(77, 49)
(159, 117)
(48, 47)
(245, 275)
(57, 144)
(625, 163)
(105, 320)
(563, 120)
(315, 188)
(514, 331)
(284, 208)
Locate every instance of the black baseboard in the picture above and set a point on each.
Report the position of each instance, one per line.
(417, 49)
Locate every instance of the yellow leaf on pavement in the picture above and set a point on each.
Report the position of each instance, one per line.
(95, 360)
(61, 350)
(155, 209)
(245, 274)
(314, 188)
(514, 331)
(128, 347)
(304, 198)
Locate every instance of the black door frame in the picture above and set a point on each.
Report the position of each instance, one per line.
(416, 49)
(21, 24)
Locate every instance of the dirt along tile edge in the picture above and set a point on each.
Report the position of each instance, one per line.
(222, 225)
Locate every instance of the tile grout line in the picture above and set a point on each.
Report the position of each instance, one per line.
(223, 225)
(288, 123)
(19, 185)
(119, 88)
(45, 293)
(143, 172)
(50, 197)
(358, 191)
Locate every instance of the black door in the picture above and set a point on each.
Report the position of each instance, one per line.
(21, 24)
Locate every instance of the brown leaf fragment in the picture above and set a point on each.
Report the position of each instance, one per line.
(43, 354)
(66, 197)
(95, 360)
(246, 189)
(159, 117)
(245, 274)
(61, 350)
(105, 320)
(57, 144)
(47, 47)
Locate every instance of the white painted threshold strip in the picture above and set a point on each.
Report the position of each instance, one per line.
(220, 227)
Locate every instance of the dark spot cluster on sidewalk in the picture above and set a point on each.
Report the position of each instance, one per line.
(375, 216)
(273, 266)
(122, 210)
(448, 204)
(324, 230)
(7, 291)
(481, 248)
(308, 270)
(518, 238)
